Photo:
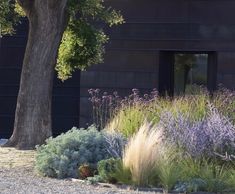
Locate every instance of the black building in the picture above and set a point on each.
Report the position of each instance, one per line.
(142, 53)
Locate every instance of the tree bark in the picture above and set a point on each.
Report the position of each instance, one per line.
(47, 22)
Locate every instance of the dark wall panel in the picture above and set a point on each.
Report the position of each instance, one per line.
(127, 60)
(212, 11)
(177, 20)
(11, 56)
(226, 69)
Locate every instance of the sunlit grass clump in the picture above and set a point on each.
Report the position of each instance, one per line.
(141, 153)
(131, 113)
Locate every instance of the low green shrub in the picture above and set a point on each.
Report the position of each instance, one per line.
(215, 177)
(231, 179)
(107, 169)
(169, 174)
(123, 175)
(60, 157)
(207, 175)
(168, 169)
(186, 174)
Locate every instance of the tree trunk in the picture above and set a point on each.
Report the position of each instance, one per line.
(47, 21)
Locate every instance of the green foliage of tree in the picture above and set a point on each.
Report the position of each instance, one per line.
(82, 45)
(8, 16)
(83, 41)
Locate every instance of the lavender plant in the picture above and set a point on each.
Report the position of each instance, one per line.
(181, 132)
(211, 135)
(221, 131)
(115, 144)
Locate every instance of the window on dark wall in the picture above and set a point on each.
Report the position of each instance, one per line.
(190, 73)
(187, 72)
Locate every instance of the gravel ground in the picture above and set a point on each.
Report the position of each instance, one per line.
(24, 181)
(18, 177)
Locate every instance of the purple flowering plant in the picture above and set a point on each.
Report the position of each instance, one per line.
(213, 135)
(200, 125)
(103, 106)
(106, 106)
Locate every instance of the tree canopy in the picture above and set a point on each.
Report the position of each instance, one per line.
(83, 41)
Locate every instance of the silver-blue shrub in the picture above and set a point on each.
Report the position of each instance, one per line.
(60, 157)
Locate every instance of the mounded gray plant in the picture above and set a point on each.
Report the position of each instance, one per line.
(60, 157)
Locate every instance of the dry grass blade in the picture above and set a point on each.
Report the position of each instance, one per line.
(140, 154)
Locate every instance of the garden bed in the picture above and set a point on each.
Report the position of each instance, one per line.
(181, 145)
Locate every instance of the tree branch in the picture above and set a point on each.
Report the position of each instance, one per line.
(55, 3)
(26, 4)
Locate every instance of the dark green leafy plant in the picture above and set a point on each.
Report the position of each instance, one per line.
(60, 157)
(207, 175)
(107, 169)
(123, 175)
(113, 170)
(215, 177)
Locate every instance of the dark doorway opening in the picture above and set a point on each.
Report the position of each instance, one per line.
(186, 72)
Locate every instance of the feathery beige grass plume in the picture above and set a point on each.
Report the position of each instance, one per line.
(141, 153)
